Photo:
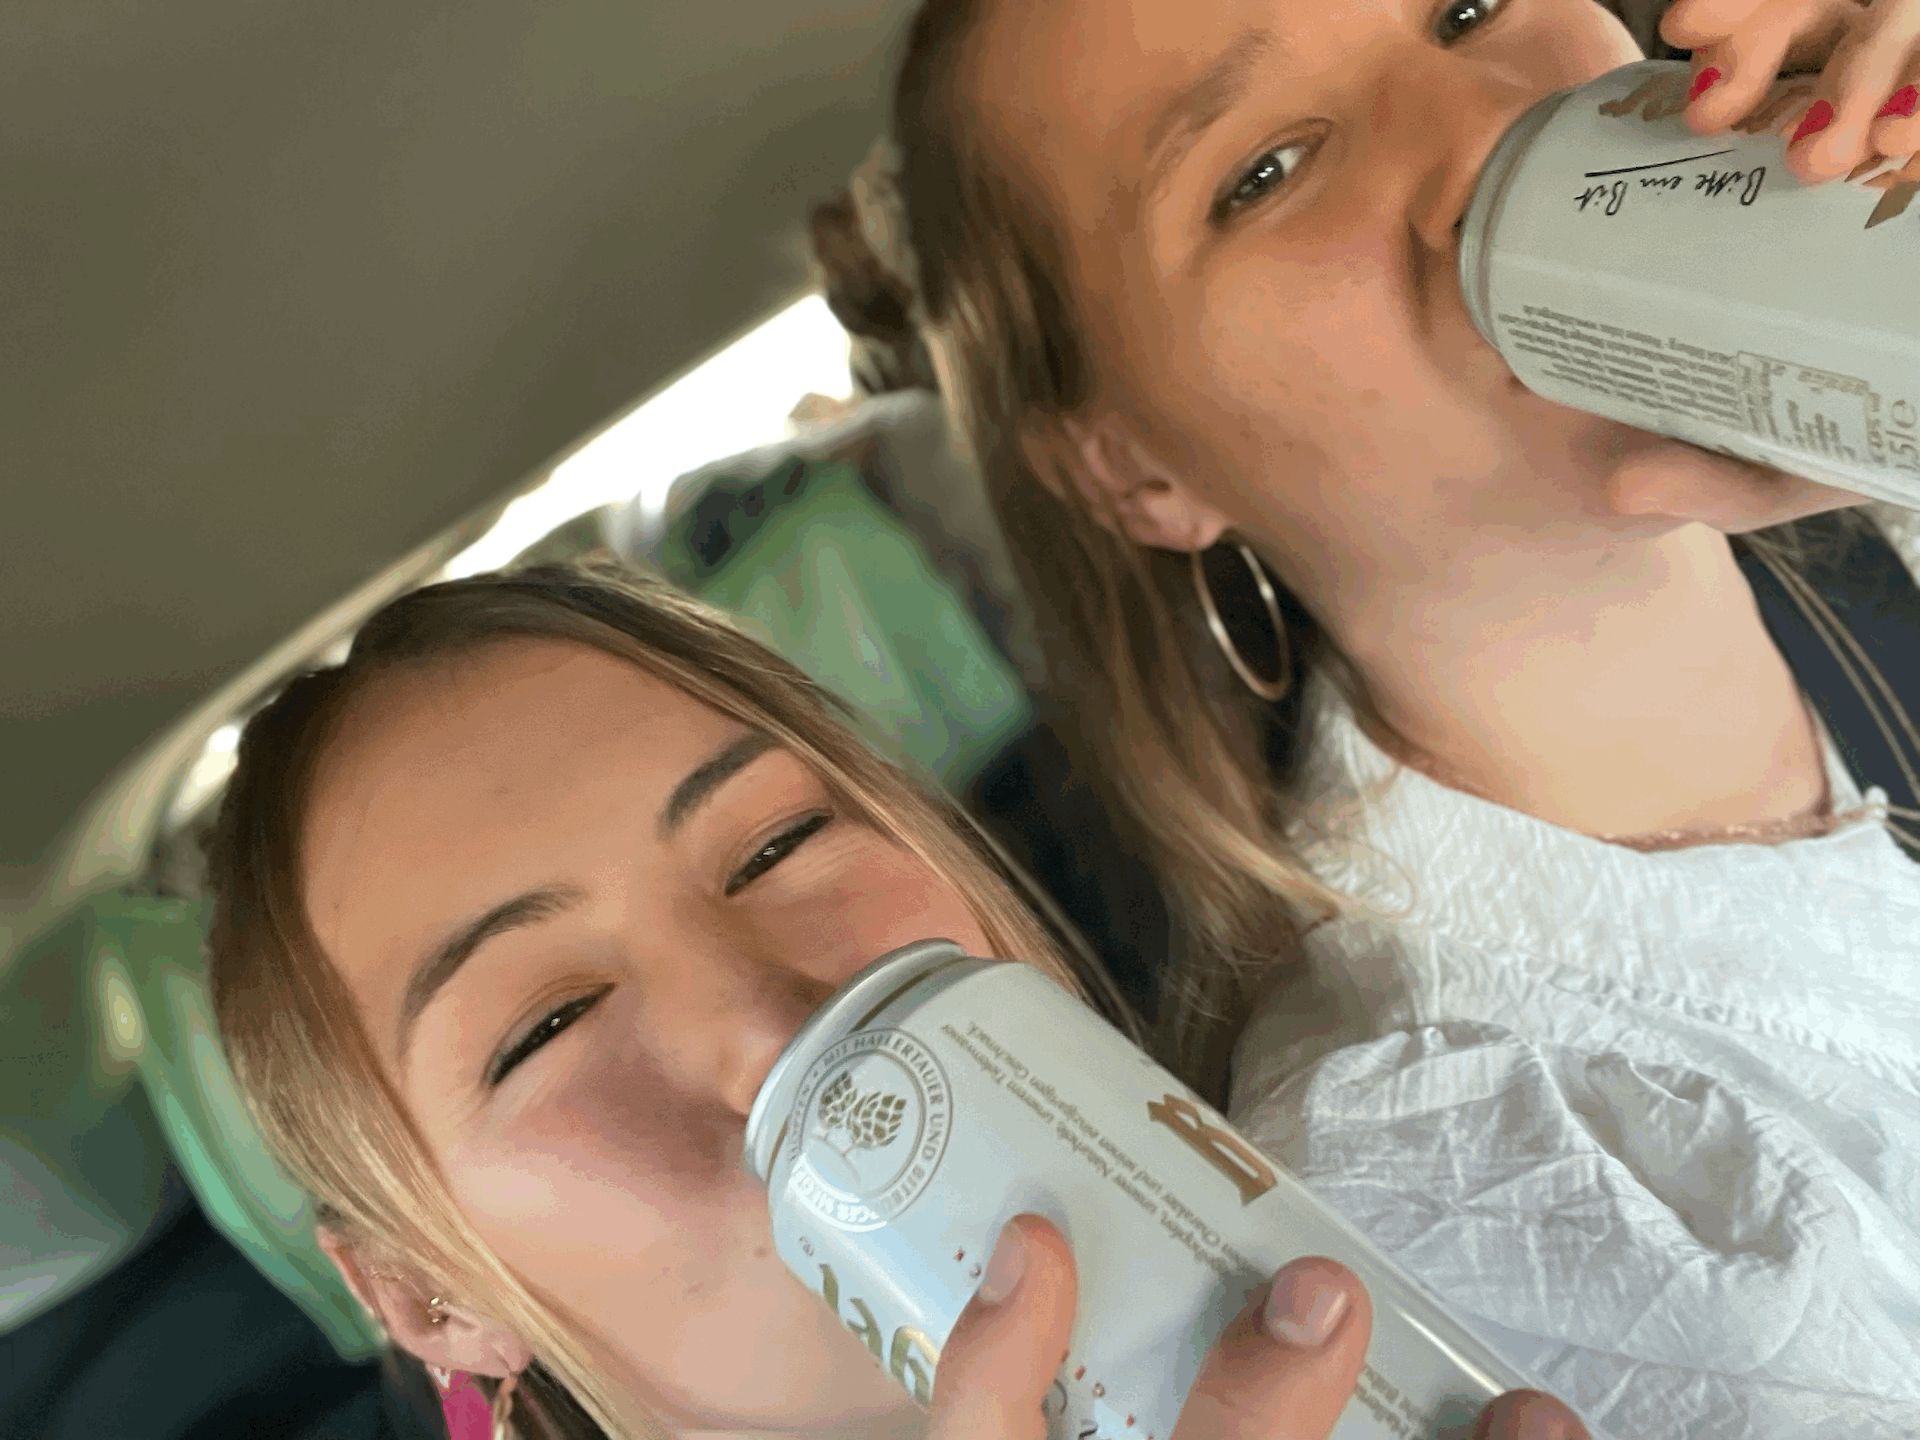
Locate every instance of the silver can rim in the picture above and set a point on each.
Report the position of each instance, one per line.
(1490, 193)
(863, 994)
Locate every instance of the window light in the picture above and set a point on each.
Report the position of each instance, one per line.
(737, 401)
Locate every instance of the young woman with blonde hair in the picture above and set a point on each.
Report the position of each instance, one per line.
(515, 909)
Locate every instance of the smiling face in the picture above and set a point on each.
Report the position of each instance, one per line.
(1259, 202)
(609, 908)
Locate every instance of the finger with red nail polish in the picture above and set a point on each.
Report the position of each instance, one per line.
(1819, 115)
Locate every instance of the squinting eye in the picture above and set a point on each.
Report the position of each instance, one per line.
(1457, 17)
(1267, 174)
(540, 1034)
(777, 849)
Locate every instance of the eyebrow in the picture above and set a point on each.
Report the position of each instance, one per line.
(708, 776)
(1188, 115)
(445, 960)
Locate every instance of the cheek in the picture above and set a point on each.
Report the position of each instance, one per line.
(1284, 330)
(1294, 368)
(605, 1171)
(886, 902)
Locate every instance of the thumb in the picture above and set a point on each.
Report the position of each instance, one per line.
(998, 1365)
(1286, 1366)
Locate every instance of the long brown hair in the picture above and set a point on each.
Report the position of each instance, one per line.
(1199, 774)
(311, 1075)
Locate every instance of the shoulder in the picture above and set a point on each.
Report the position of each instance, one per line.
(1620, 1221)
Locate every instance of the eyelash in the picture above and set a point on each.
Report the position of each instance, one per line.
(1235, 201)
(777, 849)
(540, 1034)
(1453, 5)
(1230, 205)
(764, 859)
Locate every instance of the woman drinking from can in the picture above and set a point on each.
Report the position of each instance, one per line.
(1496, 830)
(516, 908)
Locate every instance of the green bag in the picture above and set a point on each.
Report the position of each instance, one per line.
(823, 573)
(111, 1054)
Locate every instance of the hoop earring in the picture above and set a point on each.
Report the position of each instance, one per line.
(1266, 689)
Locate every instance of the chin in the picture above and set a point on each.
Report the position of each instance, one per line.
(1729, 494)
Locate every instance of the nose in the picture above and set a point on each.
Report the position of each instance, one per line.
(1462, 118)
(729, 1015)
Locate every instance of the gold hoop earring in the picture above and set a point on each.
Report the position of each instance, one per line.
(1266, 689)
(503, 1407)
(436, 1311)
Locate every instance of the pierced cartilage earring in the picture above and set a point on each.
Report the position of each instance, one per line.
(436, 1311)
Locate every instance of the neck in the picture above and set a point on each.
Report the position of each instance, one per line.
(1620, 688)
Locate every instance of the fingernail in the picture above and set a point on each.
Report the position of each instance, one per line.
(1304, 1307)
(1532, 1413)
(1004, 1270)
(1703, 82)
(1818, 118)
(1902, 102)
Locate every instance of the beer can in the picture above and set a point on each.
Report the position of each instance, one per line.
(936, 1095)
(1691, 286)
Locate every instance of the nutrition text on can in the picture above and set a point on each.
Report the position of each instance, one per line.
(1690, 286)
(937, 1095)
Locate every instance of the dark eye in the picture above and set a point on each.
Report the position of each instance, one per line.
(1262, 178)
(543, 1032)
(1457, 17)
(777, 849)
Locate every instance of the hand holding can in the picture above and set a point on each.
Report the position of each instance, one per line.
(1283, 1369)
(939, 1103)
(1623, 265)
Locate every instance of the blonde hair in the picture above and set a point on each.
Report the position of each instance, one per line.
(310, 1073)
(1200, 774)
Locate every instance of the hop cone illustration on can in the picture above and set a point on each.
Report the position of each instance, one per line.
(870, 1120)
(835, 1101)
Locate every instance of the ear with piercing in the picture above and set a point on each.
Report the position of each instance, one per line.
(437, 1307)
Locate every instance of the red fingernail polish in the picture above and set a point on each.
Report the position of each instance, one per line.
(1818, 118)
(1902, 102)
(1702, 82)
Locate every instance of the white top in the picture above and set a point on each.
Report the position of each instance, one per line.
(1651, 1122)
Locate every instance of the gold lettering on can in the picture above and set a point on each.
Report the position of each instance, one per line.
(1764, 117)
(1900, 186)
(915, 1371)
(869, 1328)
(1664, 94)
(1222, 1149)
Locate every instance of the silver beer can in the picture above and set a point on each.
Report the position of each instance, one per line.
(937, 1095)
(1691, 286)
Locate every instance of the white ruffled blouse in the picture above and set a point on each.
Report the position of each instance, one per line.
(1651, 1122)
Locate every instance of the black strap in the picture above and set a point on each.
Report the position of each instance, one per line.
(1861, 583)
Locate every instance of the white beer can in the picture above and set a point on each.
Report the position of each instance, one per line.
(1691, 286)
(937, 1095)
